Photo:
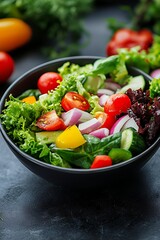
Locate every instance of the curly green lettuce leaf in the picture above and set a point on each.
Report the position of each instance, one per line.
(120, 73)
(71, 68)
(154, 88)
(153, 56)
(19, 118)
(133, 57)
(28, 144)
(19, 115)
(94, 103)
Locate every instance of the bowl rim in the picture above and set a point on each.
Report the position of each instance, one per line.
(47, 165)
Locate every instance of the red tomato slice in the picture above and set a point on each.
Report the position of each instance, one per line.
(48, 81)
(74, 100)
(106, 119)
(117, 103)
(50, 122)
(101, 161)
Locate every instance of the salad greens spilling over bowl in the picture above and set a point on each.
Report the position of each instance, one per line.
(84, 116)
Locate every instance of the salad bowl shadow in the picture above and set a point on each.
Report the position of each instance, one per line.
(71, 177)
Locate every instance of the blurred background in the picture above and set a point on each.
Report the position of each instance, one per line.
(52, 29)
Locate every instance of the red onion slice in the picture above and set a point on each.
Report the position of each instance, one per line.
(131, 123)
(109, 84)
(75, 116)
(89, 126)
(71, 117)
(103, 99)
(105, 91)
(100, 133)
(155, 73)
(85, 117)
(117, 126)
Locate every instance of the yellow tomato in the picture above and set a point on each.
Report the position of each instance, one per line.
(71, 137)
(14, 33)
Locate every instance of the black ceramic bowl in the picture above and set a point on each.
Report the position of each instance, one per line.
(71, 177)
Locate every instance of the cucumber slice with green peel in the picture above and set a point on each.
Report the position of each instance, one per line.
(135, 83)
(132, 141)
(119, 155)
(47, 137)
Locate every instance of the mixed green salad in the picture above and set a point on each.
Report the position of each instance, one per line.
(90, 116)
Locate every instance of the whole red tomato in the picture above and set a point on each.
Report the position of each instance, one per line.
(6, 66)
(116, 104)
(49, 81)
(127, 38)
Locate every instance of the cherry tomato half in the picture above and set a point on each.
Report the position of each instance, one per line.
(6, 66)
(50, 122)
(106, 119)
(74, 100)
(49, 81)
(101, 161)
(117, 103)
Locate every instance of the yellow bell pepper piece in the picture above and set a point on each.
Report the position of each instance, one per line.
(71, 137)
(30, 99)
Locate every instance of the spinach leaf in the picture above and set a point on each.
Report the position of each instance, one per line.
(95, 147)
(76, 157)
(105, 65)
(83, 156)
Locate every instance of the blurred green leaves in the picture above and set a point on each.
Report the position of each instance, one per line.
(57, 24)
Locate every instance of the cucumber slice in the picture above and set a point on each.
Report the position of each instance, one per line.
(92, 84)
(119, 155)
(47, 137)
(135, 83)
(132, 141)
